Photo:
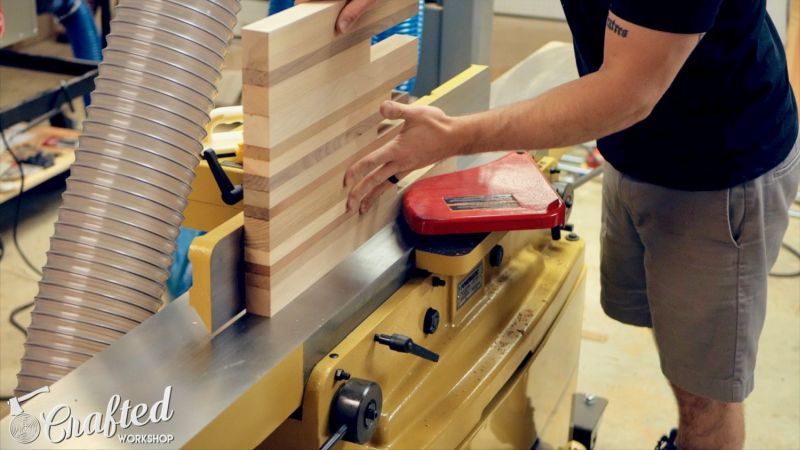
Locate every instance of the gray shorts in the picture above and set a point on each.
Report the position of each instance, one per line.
(694, 266)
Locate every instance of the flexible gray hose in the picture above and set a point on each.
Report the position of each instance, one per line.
(116, 230)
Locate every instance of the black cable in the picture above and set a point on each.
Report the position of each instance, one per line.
(18, 208)
(12, 318)
(794, 252)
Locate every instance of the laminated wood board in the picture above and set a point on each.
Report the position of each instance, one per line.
(311, 109)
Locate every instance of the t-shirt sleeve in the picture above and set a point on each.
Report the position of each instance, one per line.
(673, 16)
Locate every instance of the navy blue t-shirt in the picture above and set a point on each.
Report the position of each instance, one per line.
(728, 117)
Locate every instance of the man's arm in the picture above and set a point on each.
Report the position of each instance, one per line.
(638, 67)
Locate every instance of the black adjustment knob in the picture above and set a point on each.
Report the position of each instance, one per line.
(355, 412)
(496, 256)
(231, 194)
(404, 344)
(438, 282)
(340, 375)
(431, 322)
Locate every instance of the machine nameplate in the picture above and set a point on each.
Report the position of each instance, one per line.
(468, 286)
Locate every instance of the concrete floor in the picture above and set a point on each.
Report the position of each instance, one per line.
(617, 362)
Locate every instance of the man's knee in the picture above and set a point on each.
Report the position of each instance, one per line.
(708, 423)
(688, 401)
(690, 404)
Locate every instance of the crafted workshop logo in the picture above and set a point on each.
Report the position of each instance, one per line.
(24, 428)
(58, 424)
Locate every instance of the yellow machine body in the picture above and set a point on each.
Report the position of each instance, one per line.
(508, 355)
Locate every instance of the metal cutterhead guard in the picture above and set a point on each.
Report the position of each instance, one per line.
(510, 193)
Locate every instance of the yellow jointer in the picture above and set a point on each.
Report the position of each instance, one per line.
(496, 385)
(503, 314)
(507, 369)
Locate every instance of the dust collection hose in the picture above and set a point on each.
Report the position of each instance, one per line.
(116, 228)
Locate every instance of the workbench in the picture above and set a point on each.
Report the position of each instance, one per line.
(64, 157)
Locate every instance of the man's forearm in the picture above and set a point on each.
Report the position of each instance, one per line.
(582, 110)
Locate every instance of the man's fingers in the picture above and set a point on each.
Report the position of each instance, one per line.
(351, 13)
(376, 193)
(367, 164)
(376, 178)
(360, 169)
(393, 110)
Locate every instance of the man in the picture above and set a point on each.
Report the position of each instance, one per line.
(692, 109)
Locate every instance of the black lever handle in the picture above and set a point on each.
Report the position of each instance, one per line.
(231, 194)
(404, 344)
(335, 437)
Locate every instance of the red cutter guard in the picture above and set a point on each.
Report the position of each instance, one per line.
(508, 194)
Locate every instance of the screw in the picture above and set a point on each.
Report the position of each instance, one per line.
(573, 237)
(341, 375)
(589, 400)
(333, 355)
(371, 414)
(436, 281)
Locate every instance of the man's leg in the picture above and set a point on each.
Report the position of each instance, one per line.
(708, 424)
(707, 255)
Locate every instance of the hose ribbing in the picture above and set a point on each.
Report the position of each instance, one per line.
(116, 229)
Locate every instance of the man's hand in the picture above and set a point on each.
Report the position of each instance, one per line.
(428, 136)
(351, 12)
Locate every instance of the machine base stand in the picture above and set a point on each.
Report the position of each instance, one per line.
(586, 412)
